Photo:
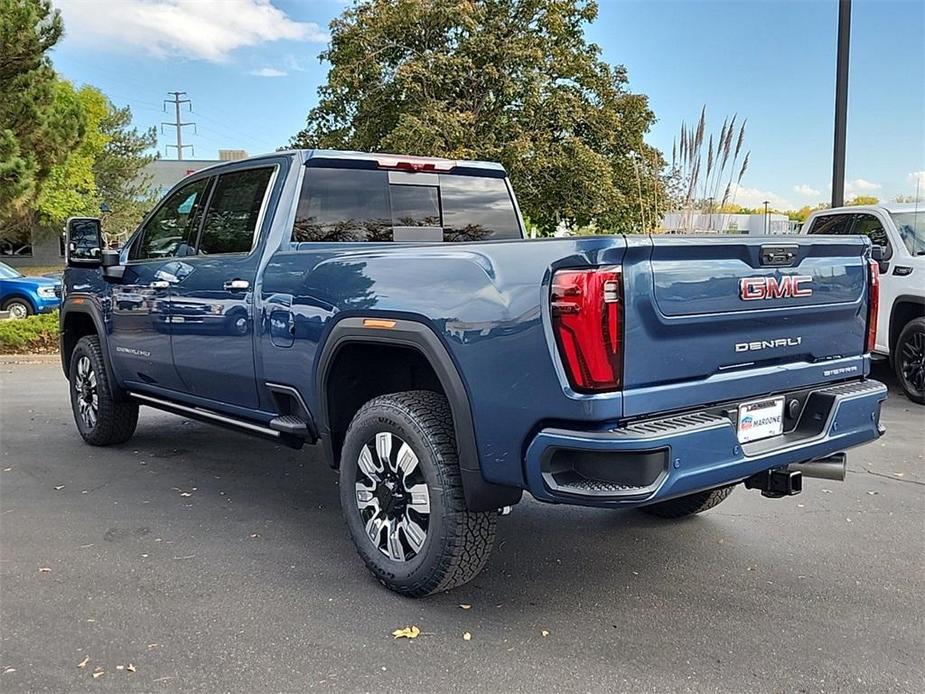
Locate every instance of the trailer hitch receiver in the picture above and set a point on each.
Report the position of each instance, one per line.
(775, 484)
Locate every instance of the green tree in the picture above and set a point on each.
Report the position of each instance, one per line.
(513, 81)
(39, 124)
(863, 200)
(70, 188)
(119, 172)
(106, 166)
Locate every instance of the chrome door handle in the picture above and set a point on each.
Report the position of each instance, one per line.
(236, 285)
(159, 284)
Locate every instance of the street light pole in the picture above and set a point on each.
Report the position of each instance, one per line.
(767, 219)
(841, 103)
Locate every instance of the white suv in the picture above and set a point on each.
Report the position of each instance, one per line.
(899, 231)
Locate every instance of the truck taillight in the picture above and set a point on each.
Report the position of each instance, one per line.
(587, 318)
(873, 304)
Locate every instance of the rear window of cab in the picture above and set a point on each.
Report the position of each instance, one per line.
(363, 205)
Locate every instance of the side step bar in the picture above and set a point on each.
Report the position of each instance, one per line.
(220, 419)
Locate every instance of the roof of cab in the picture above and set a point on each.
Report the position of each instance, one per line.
(342, 155)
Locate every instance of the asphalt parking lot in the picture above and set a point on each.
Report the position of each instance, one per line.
(211, 562)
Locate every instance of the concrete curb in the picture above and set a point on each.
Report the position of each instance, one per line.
(11, 359)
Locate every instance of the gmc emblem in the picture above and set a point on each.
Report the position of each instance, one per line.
(788, 286)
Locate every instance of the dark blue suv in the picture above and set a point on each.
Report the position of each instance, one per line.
(389, 309)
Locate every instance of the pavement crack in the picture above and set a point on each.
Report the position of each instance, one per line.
(894, 478)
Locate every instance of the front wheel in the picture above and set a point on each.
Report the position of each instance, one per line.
(402, 496)
(910, 360)
(101, 419)
(18, 308)
(688, 505)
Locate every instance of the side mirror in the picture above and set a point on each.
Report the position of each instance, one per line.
(878, 253)
(83, 242)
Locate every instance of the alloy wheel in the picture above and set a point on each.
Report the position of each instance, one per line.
(913, 362)
(87, 396)
(392, 497)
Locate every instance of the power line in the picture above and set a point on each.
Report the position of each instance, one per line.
(178, 124)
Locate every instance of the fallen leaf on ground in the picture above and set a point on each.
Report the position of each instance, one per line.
(185, 494)
(60, 486)
(411, 632)
(467, 636)
(130, 667)
(466, 607)
(83, 663)
(826, 491)
(9, 670)
(255, 534)
(44, 570)
(544, 632)
(872, 492)
(98, 673)
(120, 667)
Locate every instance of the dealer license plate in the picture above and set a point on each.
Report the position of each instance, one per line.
(760, 419)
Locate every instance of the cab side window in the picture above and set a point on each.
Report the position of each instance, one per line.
(231, 220)
(171, 230)
(869, 225)
(832, 224)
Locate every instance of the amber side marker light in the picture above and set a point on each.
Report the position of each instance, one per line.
(378, 323)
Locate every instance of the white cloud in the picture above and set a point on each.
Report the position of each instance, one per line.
(804, 189)
(200, 29)
(268, 72)
(860, 186)
(917, 178)
(754, 197)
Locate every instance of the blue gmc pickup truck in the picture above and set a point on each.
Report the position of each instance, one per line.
(389, 309)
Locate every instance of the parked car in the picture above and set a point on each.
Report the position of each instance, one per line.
(391, 311)
(898, 231)
(23, 296)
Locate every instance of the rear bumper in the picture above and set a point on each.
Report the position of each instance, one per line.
(655, 460)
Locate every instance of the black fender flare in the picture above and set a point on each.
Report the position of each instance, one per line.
(480, 494)
(86, 305)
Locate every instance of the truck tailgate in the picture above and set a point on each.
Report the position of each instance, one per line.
(732, 312)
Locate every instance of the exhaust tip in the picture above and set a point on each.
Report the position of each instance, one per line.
(834, 467)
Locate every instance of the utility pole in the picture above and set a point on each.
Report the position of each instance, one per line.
(178, 124)
(841, 103)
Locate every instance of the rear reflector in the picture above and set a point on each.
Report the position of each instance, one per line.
(587, 318)
(873, 304)
(415, 163)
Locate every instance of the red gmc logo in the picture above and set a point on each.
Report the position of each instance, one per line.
(757, 288)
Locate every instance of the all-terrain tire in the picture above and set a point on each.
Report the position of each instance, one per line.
(909, 360)
(102, 420)
(458, 542)
(688, 505)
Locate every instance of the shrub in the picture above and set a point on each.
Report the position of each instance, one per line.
(32, 335)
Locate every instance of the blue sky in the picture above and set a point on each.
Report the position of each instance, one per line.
(251, 69)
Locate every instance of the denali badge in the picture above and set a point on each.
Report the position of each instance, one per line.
(788, 286)
(768, 344)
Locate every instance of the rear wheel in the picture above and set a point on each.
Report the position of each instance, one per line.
(910, 360)
(688, 505)
(101, 419)
(402, 496)
(18, 308)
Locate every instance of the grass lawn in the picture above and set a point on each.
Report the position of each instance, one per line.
(32, 335)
